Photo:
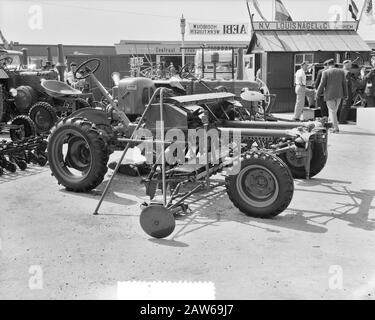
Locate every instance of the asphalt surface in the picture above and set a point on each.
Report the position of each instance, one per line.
(321, 247)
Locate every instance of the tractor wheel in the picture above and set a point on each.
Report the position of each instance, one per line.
(44, 116)
(317, 162)
(263, 187)
(77, 154)
(81, 103)
(28, 130)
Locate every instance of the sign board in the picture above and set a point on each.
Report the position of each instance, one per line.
(174, 49)
(216, 29)
(165, 49)
(304, 25)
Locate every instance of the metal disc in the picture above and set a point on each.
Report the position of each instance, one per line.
(157, 221)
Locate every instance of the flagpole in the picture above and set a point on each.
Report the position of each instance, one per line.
(250, 15)
(360, 16)
(347, 9)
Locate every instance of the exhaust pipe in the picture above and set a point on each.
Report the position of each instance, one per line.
(24, 58)
(49, 55)
(60, 66)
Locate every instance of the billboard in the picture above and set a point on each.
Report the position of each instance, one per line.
(218, 29)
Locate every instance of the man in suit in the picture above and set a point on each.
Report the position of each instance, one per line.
(369, 79)
(334, 88)
(344, 108)
(320, 100)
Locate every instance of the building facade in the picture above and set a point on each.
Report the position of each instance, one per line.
(280, 47)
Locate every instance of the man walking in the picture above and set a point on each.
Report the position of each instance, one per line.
(344, 108)
(301, 90)
(370, 85)
(334, 88)
(321, 104)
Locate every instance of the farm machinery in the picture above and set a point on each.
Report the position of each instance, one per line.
(23, 92)
(23, 148)
(185, 139)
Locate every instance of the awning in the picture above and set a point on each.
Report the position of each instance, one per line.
(306, 41)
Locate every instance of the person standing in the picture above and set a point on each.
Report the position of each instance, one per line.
(258, 75)
(370, 85)
(301, 90)
(321, 104)
(345, 105)
(334, 89)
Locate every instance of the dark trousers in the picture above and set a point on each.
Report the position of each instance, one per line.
(323, 106)
(343, 111)
(370, 101)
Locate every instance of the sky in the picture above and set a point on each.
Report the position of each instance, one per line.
(106, 22)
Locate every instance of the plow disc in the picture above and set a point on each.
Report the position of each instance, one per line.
(157, 221)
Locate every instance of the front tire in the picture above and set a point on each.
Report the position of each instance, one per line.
(28, 130)
(77, 155)
(44, 116)
(263, 188)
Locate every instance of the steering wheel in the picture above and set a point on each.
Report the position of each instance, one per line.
(7, 60)
(187, 72)
(86, 68)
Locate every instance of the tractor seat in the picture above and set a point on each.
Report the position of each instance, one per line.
(57, 89)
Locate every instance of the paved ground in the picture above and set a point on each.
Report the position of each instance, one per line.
(321, 247)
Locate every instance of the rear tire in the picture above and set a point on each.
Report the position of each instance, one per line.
(28, 130)
(44, 116)
(263, 188)
(318, 161)
(87, 154)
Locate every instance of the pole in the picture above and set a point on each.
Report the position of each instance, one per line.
(96, 212)
(250, 16)
(183, 50)
(360, 16)
(182, 26)
(347, 9)
(273, 18)
(162, 138)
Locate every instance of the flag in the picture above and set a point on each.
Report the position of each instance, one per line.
(5, 42)
(257, 8)
(353, 9)
(369, 17)
(281, 14)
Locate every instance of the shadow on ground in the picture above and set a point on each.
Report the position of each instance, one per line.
(19, 174)
(212, 207)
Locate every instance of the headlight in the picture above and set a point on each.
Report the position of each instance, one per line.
(13, 92)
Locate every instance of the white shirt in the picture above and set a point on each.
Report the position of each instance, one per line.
(300, 77)
(73, 82)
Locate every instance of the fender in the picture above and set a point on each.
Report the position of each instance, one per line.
(97, 116)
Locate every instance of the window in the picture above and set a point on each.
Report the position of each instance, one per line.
(309, 58)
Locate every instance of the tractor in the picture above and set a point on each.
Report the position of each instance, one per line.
(257, 180)
(22, 93)
(132, 95)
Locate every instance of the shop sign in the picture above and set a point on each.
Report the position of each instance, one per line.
(218, 29)
(305, 25)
